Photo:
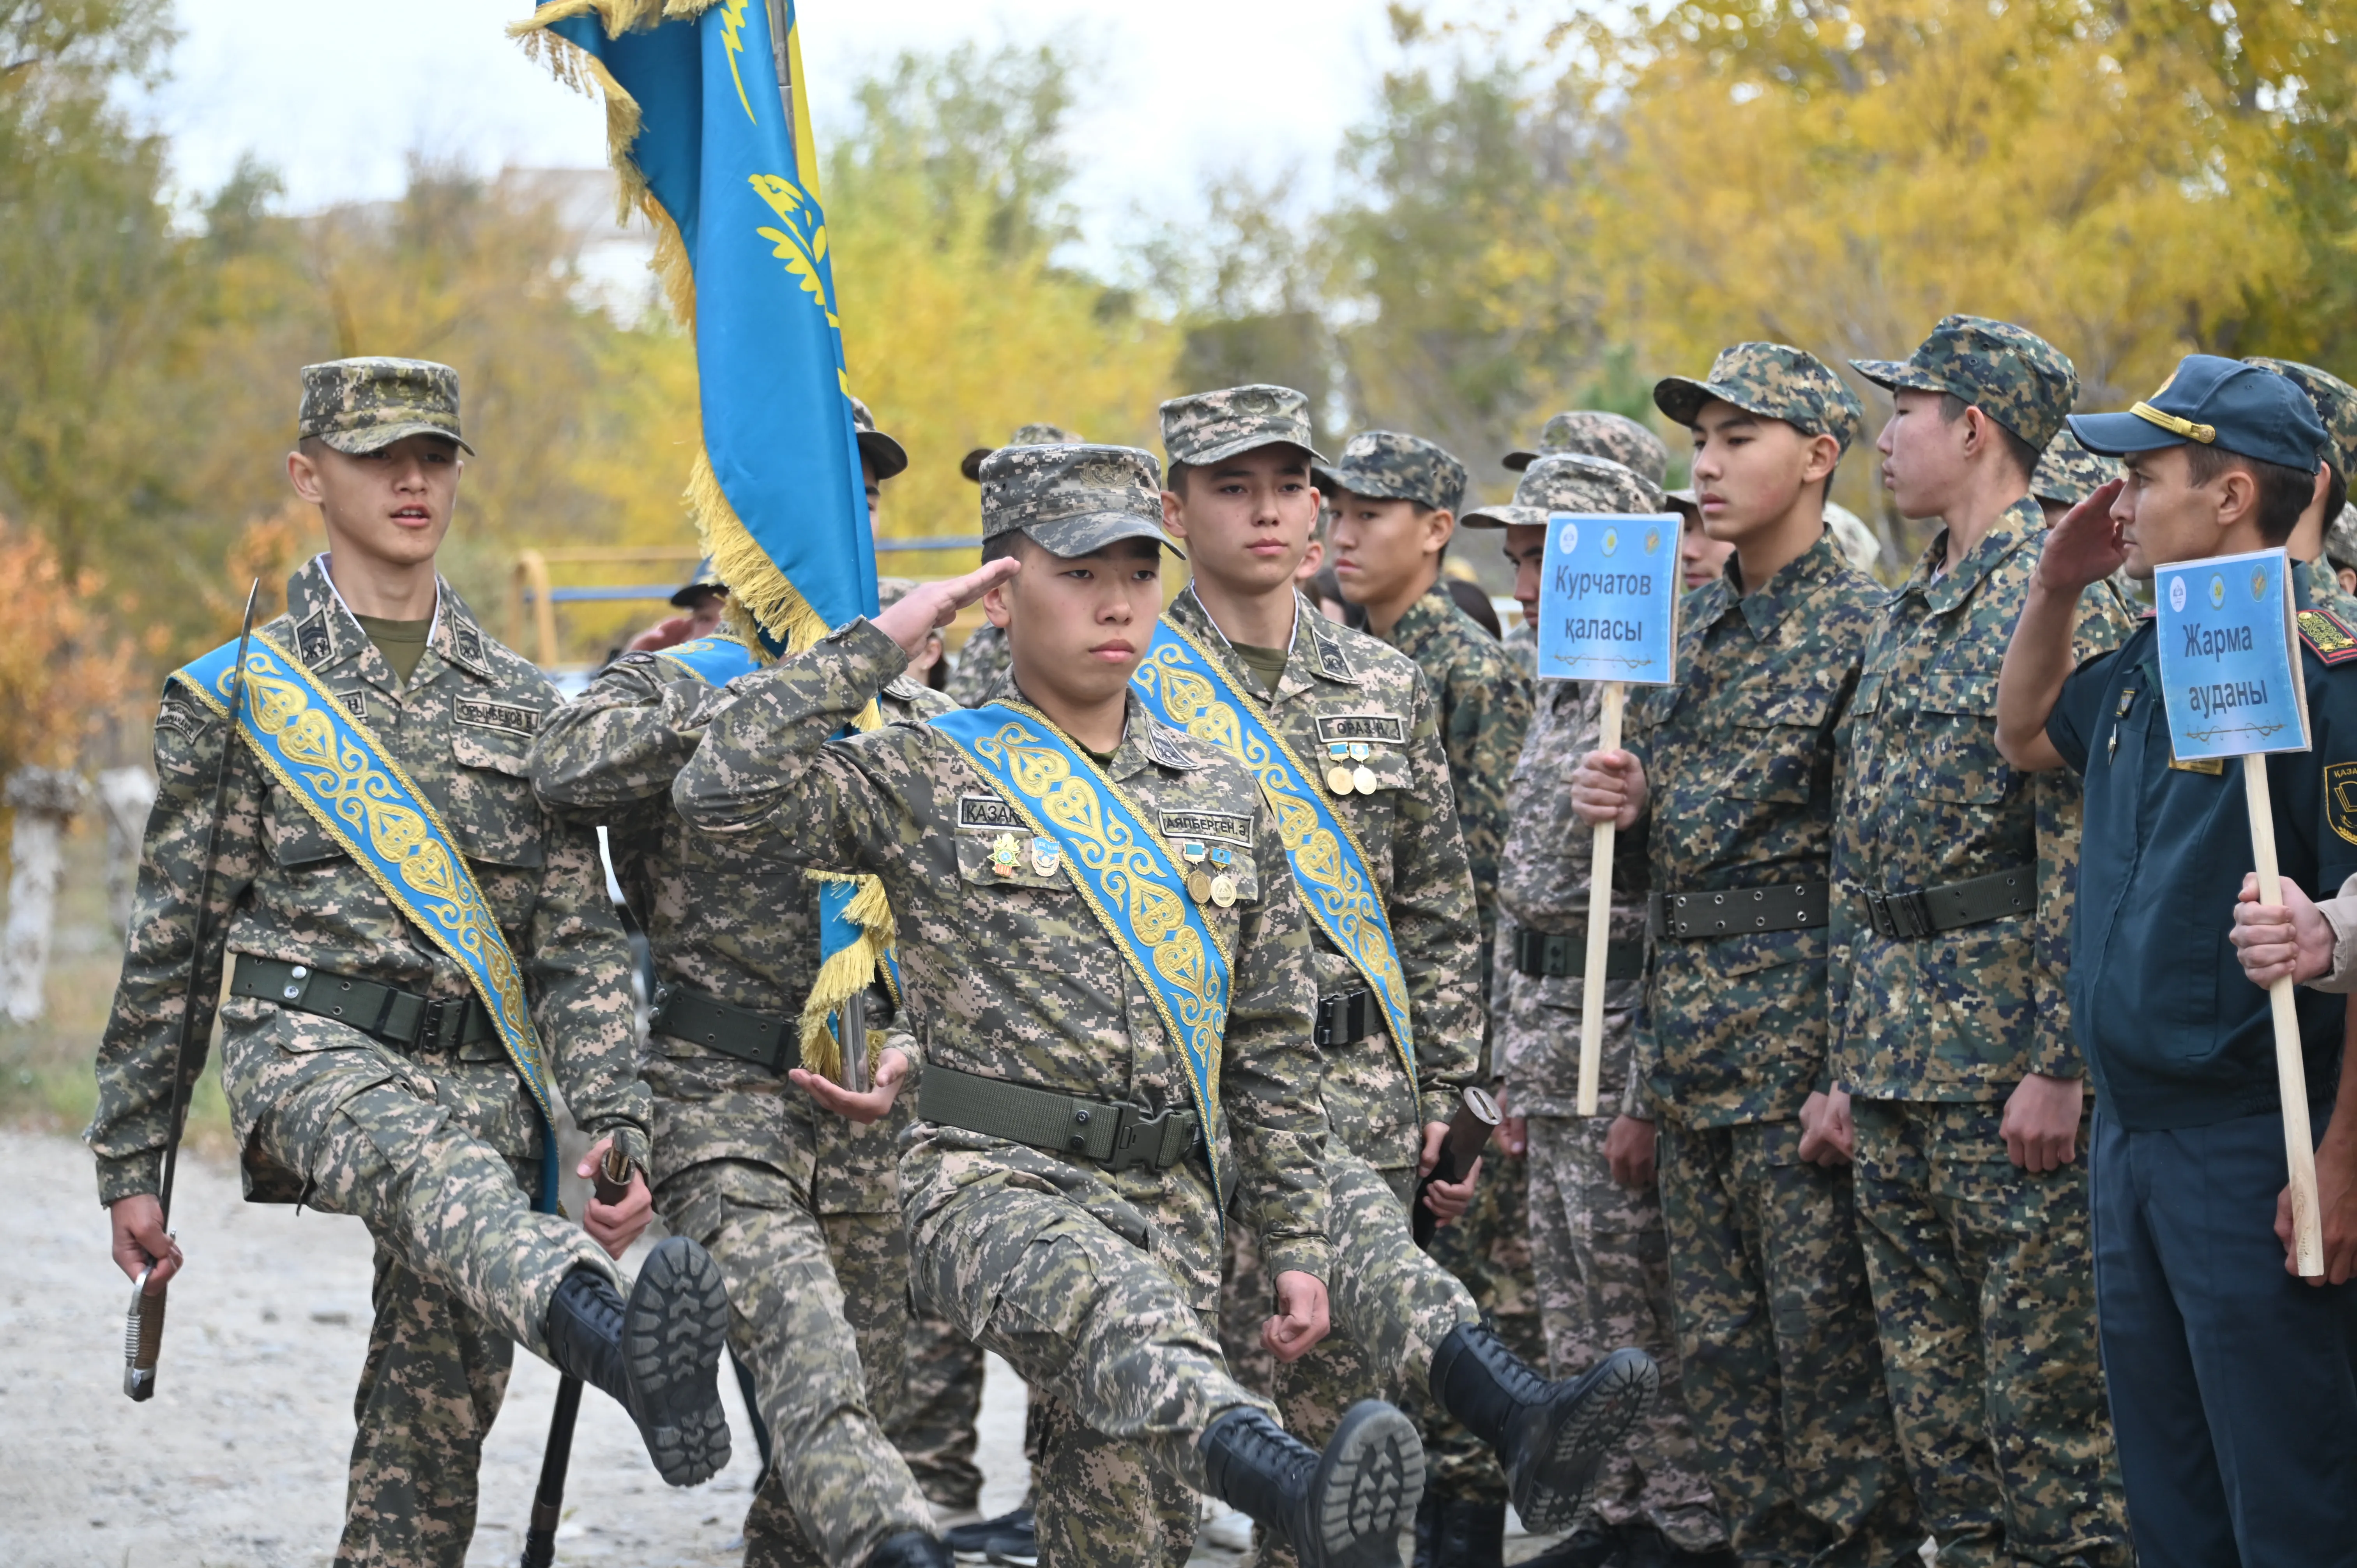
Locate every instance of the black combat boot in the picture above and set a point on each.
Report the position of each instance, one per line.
(1550, 1436)
(1341, 1509)
(1469, 1535)
(911, 1549)
(659, 1355)
(1428, 1530)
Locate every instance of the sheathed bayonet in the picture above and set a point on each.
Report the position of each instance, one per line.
(143, 1328)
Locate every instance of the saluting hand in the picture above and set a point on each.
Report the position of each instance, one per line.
(2085, 546)
(2291, 940)
(929, 606)
(1609, 787)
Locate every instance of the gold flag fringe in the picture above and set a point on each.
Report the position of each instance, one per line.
(761, 596)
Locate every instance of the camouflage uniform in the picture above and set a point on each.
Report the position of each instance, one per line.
(1599, 1256)
(1484, 706)
(434, 1146)
(981, 664)
(1983, 1279)
(1340, 686)
(797, 1205)
(1096, 1284)
(2336, 404)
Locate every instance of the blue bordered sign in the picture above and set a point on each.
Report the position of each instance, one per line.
(363, 800)
(2230, 674)
(1136, 891)
(1609, 599)
(1184, 686)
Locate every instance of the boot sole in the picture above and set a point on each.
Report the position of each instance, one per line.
(1366, 1488)
(1550, 1495)
(673, 1332)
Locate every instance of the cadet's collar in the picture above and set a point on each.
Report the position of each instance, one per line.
(458, 636)
(1144, 740)
(1427, 613)
(1800, 579)
(2015, 527)
(326, 633)
(1315, 651)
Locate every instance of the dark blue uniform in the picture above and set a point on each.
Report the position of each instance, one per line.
(2234, 1385)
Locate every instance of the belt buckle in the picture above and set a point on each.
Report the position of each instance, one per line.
(429, 1026)
(1899, 917)
(1130, 1134)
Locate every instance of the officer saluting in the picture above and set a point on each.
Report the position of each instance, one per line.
(414, 950)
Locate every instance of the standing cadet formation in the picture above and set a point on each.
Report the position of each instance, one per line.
(1208, 916)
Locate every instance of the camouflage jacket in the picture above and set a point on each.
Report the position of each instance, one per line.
(1408, 831)
(1542, 883)
(979, 665)
(2319, 587)
(719, 918)
(1485, 706)
(283, 890)
(1967, 1013)
(1011, 975)
(1522, 646)
(1743, 773)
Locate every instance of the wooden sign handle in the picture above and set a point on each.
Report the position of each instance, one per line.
(2291, 1068)
(1599, 921)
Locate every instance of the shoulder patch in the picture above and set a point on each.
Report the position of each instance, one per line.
(467, 641)
(312, 640)
(988, 813)
(1332, 662)
(905, 687)
(2328, 638)
(177, 713)
(2340, 798)
(506, 716)
(1171, 748)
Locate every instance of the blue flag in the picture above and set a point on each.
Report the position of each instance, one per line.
(700, 134)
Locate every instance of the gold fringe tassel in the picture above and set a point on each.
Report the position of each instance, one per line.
(845, 974)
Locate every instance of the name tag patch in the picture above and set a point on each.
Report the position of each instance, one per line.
(1227, 825)
(496, 715)
(989, 814)
(1387, 727)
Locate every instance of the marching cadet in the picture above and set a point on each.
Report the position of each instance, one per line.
(1345, 740)
(2336, 405)
(1095, 995)
(753, 1154)
(1735, 775)
(418, 949)
(1952, 874)
(981, 666)
(1394, 499)
(1598, 1253)
(2233, 1380)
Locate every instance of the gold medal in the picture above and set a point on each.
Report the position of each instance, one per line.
(1199, 887)
(1340, 779)
(1364, 778)
(1223, 890)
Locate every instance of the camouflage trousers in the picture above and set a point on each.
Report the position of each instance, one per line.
(1489, 1250)
(434, 1156)
(818, 1310)
(1984, 1282)
(1092, 1296)
(1247, 1296)
(1602, 1263)
(934, 1430)
(1776, 1344)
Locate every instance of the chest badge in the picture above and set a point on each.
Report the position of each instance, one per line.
(1223, 890)
(1045, 856)
(1006, 853)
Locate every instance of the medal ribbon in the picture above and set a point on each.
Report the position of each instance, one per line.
(1186, 687)
(362, 798)
(1123, 875)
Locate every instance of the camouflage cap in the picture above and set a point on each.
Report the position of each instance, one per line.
(1775, 381)
(1074, 499)
(884, 454)
(2069, 473)
(1384, 465)
(1686, 502)
(1570, 481)
(2341, 539)
(1595, 433)
(1024, 436)
(2336, 404)
(891, 591)
(2012, 374)
(1205, 427)
(366, 405)
(1856, 541)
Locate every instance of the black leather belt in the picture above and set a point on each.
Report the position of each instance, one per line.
(1116, 1137)
(1344, 1019)
(686, 1014)
(1738, 911)
(383, 1011)
(1553, 955)
(1903, 917)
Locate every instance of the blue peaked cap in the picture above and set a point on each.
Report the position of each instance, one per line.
(2224, 404)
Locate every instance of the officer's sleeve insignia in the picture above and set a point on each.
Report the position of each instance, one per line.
(2327, 636)
(2340, 798)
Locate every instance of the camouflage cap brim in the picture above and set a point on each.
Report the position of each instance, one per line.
(376, 438)
(1682, 397)
(1072, 537)
(970, 464)
(1368, 482)
(1505, 515)
(1903, 375)
(1518, 461)
(884, 454)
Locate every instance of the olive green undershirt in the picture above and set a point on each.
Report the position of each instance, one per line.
(1268, 664)
(403, 643)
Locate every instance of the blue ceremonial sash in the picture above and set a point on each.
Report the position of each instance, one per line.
(1123, 875)
(330, 762)
(1186, 688)
(715, 661)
